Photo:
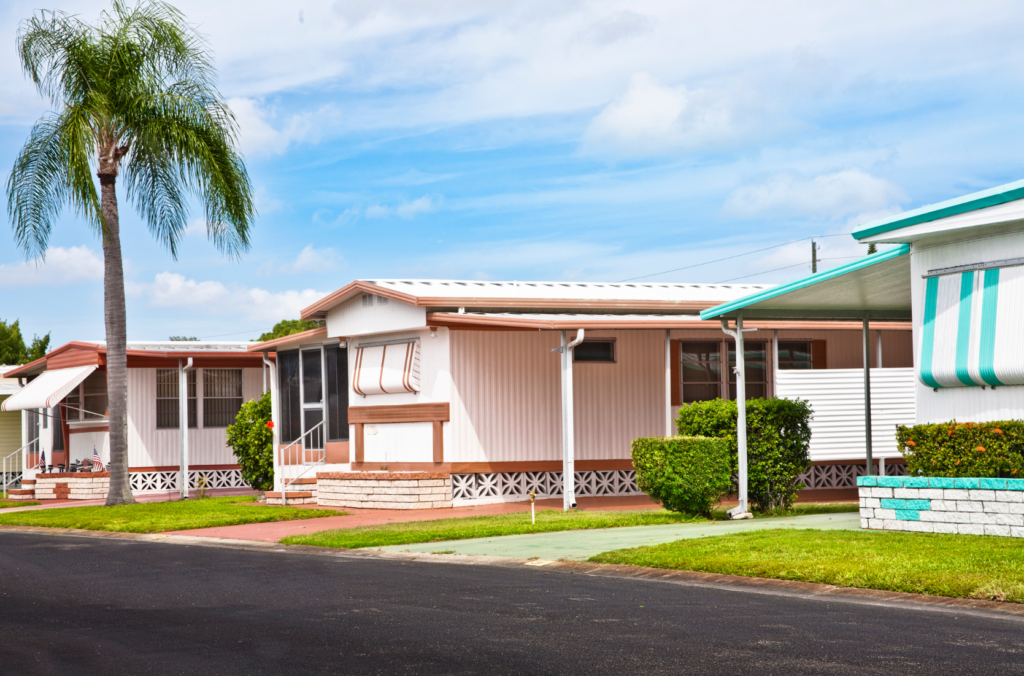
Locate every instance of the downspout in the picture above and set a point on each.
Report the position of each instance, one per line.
(568, 440)
(740, 511)
(867, 399)
(183, 425)
(274, 417)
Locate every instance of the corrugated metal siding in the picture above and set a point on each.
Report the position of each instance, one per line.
(399, 442)
(837, 399)
(616, 403)
(970, 403)
(506, 400)
(10, 431)
(150, 447)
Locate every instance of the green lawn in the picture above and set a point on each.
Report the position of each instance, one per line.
(4, 504)
(517, 523)
(964, 566)
(156, 517)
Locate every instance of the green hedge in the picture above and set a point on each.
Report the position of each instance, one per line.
(778, 436)
(684, 474)
(992, 449)
(252, 442)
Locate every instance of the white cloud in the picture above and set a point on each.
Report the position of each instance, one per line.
(311, 261)
(262, 133)
(327, 218)
(406, 209)
(171, 290)
(653, 119)
(832, 196)
(61, 266)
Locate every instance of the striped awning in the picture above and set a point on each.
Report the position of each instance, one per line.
(47, 390)
(387, 369)
(973, 330)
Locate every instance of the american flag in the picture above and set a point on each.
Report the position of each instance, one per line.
(96, 462)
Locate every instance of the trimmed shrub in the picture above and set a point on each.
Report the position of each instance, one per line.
(252, 442)
(778, 436)
(684, 474)
(991, 449)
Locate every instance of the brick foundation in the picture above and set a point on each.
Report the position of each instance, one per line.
(968, 506)
(72, 486)
(300, 492)
(384, 490)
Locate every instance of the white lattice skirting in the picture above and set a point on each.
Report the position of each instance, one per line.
(514, 486)
(152, 482)
(843, 476)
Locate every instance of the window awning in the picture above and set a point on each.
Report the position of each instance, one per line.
(387, 369)
(876, 286)
(47, 390)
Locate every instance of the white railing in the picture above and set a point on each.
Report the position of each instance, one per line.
(13, 467)
(306, 452)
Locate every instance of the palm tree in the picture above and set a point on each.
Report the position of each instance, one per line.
(135, 96)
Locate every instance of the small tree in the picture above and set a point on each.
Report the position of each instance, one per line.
(252, 441)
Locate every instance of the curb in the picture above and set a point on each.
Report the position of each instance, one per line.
(807, 590)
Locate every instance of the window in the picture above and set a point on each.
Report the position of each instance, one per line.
(167, 399)
(312, 397)
(337, 393)
(58, 430)
(795, 355)
(755, 365)
(94, 395)
(222, 396)
(288, 386)
(701, 371)
(73, 405)
(595, 351)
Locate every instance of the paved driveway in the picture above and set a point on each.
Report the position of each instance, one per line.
(72, 606)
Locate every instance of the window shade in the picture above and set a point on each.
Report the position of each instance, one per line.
(387, 369)
(973, 330)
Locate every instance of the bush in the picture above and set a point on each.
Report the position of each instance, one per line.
(778, 436)
(252, 442)
(992, 449)
(684, 474)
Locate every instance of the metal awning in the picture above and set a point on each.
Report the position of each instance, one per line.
(876, 286)
(47, 390)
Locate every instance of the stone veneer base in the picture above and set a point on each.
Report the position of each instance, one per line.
(72, 486)
(384, 490)
(967, 506)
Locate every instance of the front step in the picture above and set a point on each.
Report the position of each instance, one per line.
(21, 494)
(294, 497)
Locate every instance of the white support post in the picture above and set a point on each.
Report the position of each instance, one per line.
(740, 511)
(275, 418)
(867, 399)
(183, 370)
(878, 350)
(775, 363)
(568, 440)
(669, 431)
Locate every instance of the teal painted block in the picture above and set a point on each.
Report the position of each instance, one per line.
(994, 484)
(940, 482)
(915, 482)
(1015, 484)
(923, 505)
(890, 503)
(908, 515)
(890, 481)
(961, 482)
(867, 481)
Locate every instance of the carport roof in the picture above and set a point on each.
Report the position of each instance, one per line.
(876, 286)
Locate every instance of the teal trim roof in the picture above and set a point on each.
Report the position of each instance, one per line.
(784, 289)
(933, 212)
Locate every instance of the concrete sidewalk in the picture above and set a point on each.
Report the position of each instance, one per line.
(582, 544)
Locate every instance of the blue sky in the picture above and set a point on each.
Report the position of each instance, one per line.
(594, 141)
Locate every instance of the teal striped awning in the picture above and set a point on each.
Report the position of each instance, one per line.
(973, 328)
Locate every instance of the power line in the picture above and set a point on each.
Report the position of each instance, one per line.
(697, 265)
(796, 265)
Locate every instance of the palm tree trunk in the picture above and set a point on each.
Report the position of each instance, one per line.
(120, 492)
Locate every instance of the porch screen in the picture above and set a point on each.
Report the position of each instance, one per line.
(973, 330)
(387, 369)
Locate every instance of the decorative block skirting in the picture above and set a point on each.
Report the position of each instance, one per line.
(514, 486)
(384, 490)
(969, 506)
(72, 486)
(843, 476)
(155, 482)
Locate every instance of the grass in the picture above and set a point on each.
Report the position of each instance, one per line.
(4, 504)
(517, 523)
(962, 566)
(156, 517)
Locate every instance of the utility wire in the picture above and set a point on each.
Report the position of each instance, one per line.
(796, 265)
(697, 265)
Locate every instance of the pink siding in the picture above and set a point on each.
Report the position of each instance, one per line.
(506, 405)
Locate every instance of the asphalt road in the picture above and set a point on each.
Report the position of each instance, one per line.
(82, 606)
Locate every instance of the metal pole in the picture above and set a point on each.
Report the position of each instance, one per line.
(668, 384)
(814, 257)
(867, 399)
(740, 510)
(568, 437)
(775, 363)
(183, 370)
(878, 350)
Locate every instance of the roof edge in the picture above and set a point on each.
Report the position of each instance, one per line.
(267, 345)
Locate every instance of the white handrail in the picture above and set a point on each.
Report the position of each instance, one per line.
(282, 454)
(12, 461)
